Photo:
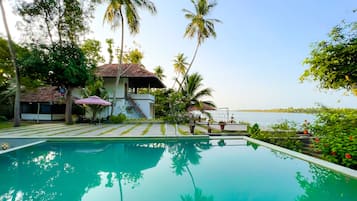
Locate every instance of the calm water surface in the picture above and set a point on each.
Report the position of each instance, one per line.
(264, 119)
(167, 171)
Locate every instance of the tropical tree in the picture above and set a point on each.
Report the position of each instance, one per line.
(159, 72)
(200, 26)
(49, 21)
(193, 93)
(56, 27)
(333, 62)
(133, 57)
(17, 70)
(180, 65)
(92, 48)
(110, 42)
(115, 13)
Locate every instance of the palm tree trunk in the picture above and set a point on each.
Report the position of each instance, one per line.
(68, 114)
(119, 65)
(191, 176)
(120, 188)
(189, 67)
(17, 72)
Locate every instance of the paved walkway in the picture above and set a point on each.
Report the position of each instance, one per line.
(104, 130)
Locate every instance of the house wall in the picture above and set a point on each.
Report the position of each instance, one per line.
(144, 101)
(41, 117)
(109, 84)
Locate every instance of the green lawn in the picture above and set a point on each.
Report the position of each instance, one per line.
(9, 124)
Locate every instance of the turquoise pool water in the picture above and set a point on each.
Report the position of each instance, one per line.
(235, 170)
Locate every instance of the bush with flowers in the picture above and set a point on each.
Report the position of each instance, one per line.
(335, 134)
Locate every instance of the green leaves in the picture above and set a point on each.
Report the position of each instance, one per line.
(333, 63)
(336, 136)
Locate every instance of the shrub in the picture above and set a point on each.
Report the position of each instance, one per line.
(335, 136)
(254, 130)
(285, 125)
(120, 118)
(3, 118)
(284, 139)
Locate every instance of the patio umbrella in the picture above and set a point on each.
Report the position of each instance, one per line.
(92, 100)
(95, 103)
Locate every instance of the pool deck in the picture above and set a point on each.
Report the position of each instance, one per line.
(61, 130)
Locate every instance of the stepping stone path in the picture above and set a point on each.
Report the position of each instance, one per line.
(103, 130)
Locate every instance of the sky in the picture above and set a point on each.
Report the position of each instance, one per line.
(256, 59)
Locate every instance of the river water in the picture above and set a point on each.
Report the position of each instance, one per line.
(264, 119)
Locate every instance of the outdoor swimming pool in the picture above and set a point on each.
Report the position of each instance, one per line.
(186, 170)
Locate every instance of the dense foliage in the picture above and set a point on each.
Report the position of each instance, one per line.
(333, 63)
(336, 135)
(284, 139)
(120, 118)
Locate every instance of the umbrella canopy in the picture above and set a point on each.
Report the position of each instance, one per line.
(92, 100)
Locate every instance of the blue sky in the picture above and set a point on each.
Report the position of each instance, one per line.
(255, 61)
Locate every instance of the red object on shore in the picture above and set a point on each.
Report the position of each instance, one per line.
(306, 132)
(348, 156)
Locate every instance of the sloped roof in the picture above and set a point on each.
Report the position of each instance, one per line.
(42, 94)
(138, 76)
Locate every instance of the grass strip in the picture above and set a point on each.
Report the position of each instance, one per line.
(110, 130)
(181, 131)
(148, 127)
(45, 131)
(130, 129)
(66, 131)
(10, 124)
(163, 129)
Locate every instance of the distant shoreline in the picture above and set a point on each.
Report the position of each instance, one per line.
(295, 110)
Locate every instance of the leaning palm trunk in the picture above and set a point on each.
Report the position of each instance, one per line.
(17, 72)
(189, 67)
(119, 66)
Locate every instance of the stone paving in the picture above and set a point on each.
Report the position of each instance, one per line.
(102, 130)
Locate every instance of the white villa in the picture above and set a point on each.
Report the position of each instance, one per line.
(47, 103)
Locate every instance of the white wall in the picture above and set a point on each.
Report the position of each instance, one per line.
(41, 117)
(143, 101)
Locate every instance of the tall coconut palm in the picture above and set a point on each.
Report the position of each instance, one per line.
(200, 26)
(159, 72)
(193, 92)
(180, 66)
(115, 13)
(17, 71)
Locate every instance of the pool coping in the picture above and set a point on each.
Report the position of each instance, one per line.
(331, 166)
(22, 146)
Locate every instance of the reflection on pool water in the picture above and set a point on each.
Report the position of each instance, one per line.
(204, 170)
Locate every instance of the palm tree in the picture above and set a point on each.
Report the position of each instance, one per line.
(17, 71)
(115, 13)
(193, 93)
(180, 66)
(200, 26)
(159, 72)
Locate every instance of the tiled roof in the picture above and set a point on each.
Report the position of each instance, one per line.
(138, 76)
(42, 94)
(129, 70)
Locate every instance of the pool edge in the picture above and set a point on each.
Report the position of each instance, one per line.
(331, 166)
